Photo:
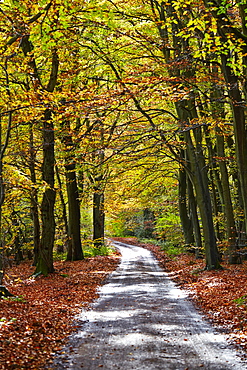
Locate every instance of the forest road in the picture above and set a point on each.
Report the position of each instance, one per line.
(143, 321)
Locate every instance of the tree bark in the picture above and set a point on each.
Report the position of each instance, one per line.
(64, 212)
(98, 218)
(187, 111)
(34, 198)
(200, 180)
(194, 218)
(236, 96)
(75, 252)
(227, 205)
(45, 255)
(1, 263)
(240, 134)
(186, 221)
(3, 145)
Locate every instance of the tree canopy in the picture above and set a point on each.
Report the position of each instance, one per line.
(131, 112)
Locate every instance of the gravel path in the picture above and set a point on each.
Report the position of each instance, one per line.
(143, 321)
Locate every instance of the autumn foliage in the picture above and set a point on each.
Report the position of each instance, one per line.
(110, 109)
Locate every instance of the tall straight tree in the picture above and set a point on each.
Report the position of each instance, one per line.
(34, 195)
(175, 48)
(45, 252)
(74, 227)
(233, 64)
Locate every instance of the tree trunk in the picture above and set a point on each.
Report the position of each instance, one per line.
(1, 264)
(194, 218)
(186, 221)
(200, 180)
(239, 129)
(241, 238)
(237, 97)
(64, 214)
(221, 176)
(186, 111)
(75, 252)
(34, 198)
(3, 147)
(45, 258)
(98, 218)
(227, 207)
(197, 170)
(215, 183)
(45, 255)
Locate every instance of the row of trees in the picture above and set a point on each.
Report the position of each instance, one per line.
(99, 97)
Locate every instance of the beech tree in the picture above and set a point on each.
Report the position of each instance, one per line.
(24, 41)
(126, 86)
(186, 113)
(176, 40)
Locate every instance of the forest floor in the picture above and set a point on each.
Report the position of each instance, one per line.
(143, 321)
(36, 325)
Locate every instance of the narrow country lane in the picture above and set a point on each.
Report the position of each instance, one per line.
(143, 321)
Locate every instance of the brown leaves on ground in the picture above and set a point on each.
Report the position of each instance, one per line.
(221, 295)
(36, 324)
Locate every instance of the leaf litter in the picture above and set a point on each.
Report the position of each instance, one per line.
(36, 324)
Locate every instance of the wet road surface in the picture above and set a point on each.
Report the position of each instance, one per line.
(143, 321)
